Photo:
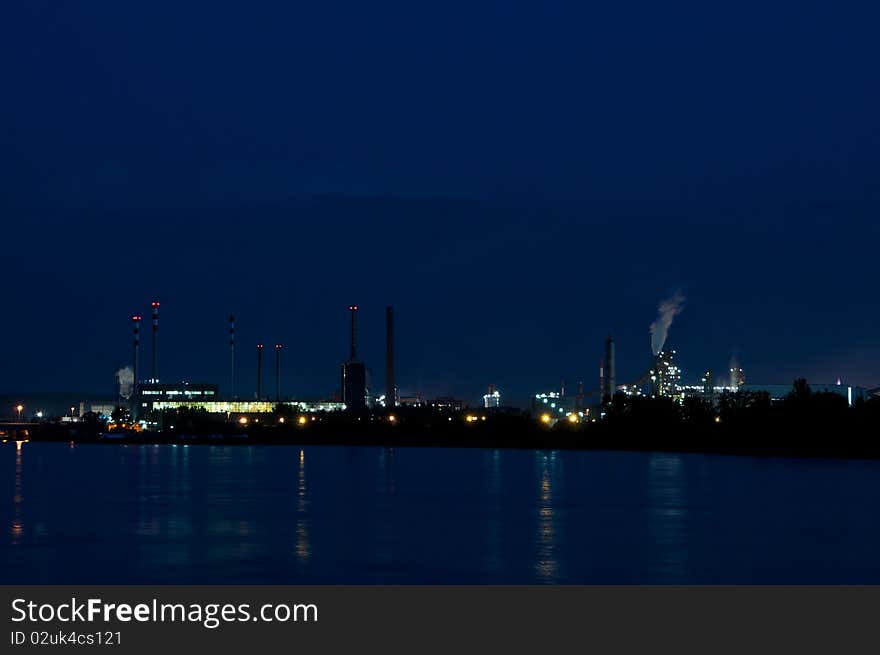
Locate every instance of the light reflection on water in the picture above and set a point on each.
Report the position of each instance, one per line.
(16, 531)
(668, 514)
(385, 521)
(162, 525)
(494, 534)
(303, 548)
(242, 514)
(547, 559)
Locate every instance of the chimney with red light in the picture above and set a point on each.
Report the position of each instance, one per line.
(155, 306)
(259, 371)
(136, 319)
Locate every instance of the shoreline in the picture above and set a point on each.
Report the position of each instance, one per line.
(537, 440)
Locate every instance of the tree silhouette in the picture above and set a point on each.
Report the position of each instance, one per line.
(800, 390)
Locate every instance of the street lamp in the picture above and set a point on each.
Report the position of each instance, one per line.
(18, 408)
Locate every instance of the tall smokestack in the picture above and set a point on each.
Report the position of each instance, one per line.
(353, 309)
(136, 319)
(155, 306)
(610, 370)
(277, 372)
(232, 356)
(259, 371)
(390, 387)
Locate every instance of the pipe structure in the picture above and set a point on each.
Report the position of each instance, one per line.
(259, 371)
(353, 309)
(155, 306)
(390, 386)
(610, 369)
(278, 372)
(136, 319)
(232, 356)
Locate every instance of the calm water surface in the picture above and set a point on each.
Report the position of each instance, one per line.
(264, 514)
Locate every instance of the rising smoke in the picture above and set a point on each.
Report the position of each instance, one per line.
(666, 311)
(734, 367)
(125, 380)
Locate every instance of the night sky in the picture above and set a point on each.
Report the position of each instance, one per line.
(516, 178)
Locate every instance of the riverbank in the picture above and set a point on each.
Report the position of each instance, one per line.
(708, 440)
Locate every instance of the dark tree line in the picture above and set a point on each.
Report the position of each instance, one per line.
(803, 421)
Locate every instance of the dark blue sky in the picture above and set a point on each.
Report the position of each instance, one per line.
(517, 179)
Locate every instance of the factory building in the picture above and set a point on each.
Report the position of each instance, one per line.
(247, 406)
(411, 400)
(155, 395)
(355, 385)
(205, 397)
(557, 406)
(666, 376)
(492, 397)
(551, 401)
(151, 391)
(446, 404)
(102, 409)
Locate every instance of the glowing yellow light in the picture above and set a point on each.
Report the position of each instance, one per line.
(470, 418)
(572, 418)
(302, 420)
(243, 420)
(392, 418)
(718, 419)
(281, 420)
(482, 418)
(545, 418)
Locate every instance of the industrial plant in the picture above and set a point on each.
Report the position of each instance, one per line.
(663, 379)
(150, 396)
(145, 395)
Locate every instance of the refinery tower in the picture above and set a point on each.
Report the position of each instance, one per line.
(355, 379)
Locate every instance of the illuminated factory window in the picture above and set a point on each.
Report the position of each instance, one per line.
(492, 399)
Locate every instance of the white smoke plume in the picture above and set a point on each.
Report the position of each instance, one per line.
(125, 380)
(666, 311)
